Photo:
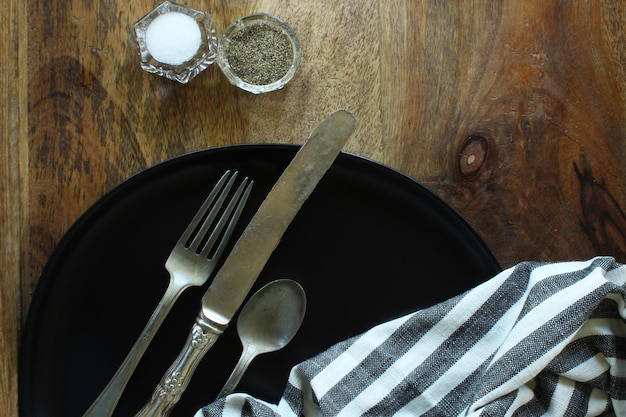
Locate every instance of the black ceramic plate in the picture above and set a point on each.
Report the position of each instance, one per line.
(369, 245)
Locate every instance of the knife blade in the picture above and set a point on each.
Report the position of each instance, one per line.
(235, 278)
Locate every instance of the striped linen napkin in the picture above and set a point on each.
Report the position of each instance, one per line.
(537, 339)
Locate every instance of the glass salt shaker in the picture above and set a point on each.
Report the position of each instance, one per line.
(176, 42)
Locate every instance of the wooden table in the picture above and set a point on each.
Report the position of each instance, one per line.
(514, 113)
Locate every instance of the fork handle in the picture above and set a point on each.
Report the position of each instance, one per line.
(203, 335)
(105, 404)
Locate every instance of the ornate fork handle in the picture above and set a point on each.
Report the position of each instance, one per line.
(202, 336)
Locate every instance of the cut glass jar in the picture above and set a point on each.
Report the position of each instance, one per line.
(176, 42)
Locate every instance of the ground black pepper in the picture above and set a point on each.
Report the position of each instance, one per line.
(260, 54)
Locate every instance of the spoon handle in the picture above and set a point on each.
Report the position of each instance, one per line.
(202, 336)
(105, 404)
(233, 380)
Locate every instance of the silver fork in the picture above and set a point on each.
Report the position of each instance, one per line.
(190, 263)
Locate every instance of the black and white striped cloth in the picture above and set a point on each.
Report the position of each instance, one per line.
(538, 339)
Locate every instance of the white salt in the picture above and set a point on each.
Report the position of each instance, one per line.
(173, 38)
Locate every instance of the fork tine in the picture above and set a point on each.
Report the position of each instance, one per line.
(195, 223)
(228, 219)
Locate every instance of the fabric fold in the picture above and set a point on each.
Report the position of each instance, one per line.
(537, 339)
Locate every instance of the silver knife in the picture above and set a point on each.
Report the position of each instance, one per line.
(243, 265)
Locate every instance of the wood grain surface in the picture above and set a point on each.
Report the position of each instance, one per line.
(514, 113)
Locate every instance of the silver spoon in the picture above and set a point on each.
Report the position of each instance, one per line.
(267, 322)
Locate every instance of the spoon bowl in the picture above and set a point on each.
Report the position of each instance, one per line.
(267, 323)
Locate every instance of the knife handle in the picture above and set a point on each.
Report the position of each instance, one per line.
(203, 335)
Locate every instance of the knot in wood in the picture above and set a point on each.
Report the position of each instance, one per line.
(473, 155)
